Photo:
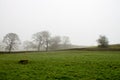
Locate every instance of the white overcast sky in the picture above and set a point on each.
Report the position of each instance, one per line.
(82, 20)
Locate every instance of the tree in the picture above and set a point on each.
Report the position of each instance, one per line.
(66, 42)
(103, 42)
(28, 45)
(46, 39)
(55, 42)
(42, 39)
(38, 38)
(11, 40)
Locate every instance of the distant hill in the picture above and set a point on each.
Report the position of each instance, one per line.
(114, 46)
(77, 46)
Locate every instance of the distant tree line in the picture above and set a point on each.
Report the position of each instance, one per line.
(41, 41)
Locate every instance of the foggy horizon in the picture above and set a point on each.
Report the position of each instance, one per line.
(81, 21)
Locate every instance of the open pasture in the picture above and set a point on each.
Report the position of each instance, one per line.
(61, 65)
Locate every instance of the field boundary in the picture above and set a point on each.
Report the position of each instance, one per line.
(80, 49)
(96, 49)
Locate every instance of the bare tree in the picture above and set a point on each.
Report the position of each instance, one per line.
(102, 41)
(66, 42)
(38, 38)
(28, 45)
(11, 40)
(46, 39)
(55, 42)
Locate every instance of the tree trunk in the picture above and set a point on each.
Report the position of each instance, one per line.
(10, 48)
(39, 46)
(46, 46)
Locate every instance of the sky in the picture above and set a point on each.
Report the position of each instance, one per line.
(82, 20)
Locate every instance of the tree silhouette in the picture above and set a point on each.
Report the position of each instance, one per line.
(11, 40)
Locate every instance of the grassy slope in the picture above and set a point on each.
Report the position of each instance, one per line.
(62, 65)
(115, 46)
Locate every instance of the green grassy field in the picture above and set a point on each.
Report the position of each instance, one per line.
(61, 65)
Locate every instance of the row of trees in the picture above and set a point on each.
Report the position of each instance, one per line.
(40, 41)
(43, 41)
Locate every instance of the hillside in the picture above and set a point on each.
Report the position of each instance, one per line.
(115, 46)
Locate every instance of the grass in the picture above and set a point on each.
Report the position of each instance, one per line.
(117, 46)
(61, 65)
